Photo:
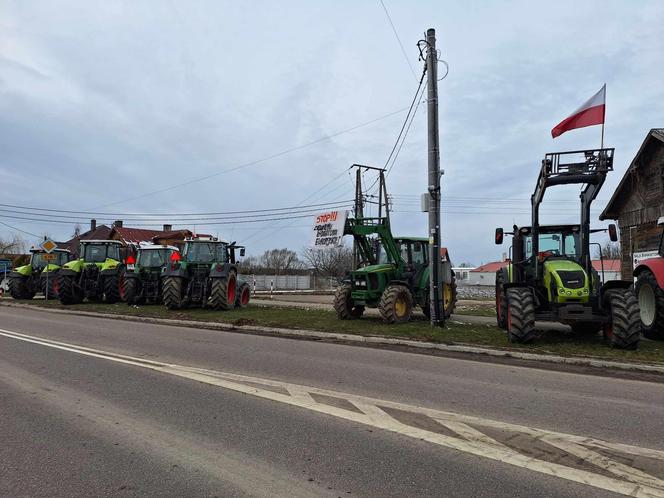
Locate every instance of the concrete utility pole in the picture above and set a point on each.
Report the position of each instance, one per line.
(435, 290)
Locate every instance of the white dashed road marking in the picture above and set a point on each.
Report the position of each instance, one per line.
(589, 461)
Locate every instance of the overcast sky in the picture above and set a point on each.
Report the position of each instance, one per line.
(102, 103)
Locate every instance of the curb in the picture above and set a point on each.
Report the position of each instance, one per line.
(368, 340)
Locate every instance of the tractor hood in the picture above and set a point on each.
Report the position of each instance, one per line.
(374, 268)
(25, 270)
(566, 281)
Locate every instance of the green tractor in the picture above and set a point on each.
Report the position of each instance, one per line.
(39, 275)
(95, 275)
(205, 274)
(551, 277)
(142, 279)
(393, 275)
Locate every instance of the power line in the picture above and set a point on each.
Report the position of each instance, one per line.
(18, 229)
(257, 161)
(396, 34)
(157, 215)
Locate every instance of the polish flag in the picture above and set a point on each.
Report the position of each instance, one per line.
(589, 114)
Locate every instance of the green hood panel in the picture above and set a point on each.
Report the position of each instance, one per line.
(77, 265)
(50, 268)
(375, 268)
(25, 270)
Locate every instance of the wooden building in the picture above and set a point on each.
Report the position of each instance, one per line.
(638, 202)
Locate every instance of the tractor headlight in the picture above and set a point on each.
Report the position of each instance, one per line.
(561, 291)
(569, 293)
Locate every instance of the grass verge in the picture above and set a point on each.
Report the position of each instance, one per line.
(550, 342)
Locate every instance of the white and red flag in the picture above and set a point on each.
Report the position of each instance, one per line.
(589, 114)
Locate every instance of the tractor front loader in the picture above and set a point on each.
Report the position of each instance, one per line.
(96, 275)
(42, 270)
(205, 274)
(142, 279)
(649, 289)
(551, 277)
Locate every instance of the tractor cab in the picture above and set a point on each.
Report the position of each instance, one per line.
(39, 259)
(99, 251)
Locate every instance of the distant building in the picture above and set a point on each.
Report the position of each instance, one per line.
(611, 269)
(638, 202)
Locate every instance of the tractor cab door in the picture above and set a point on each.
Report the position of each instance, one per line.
(419, 259)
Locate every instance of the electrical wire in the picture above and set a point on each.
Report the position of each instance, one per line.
(18, 229)
(396, 34)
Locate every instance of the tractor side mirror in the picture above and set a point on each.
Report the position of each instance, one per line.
(613, 233)
(499, 236)
(242, 252)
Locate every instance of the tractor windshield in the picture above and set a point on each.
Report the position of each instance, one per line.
(153, 257)
(556, 244)
(205, 252)
(40, 259)
(384, 259)
(97, 253)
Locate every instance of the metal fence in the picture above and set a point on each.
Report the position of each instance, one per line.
(289, 282)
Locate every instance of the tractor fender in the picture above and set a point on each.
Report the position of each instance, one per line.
(16, 274)
(400, 282)
(169, 271)
(109, 272)
(616, 284)
(506, 276)
(655, 266)
(222, 271)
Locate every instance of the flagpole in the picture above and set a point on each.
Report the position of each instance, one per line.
(603, 120)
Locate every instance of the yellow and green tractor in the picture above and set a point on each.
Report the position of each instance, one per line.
(96, 275)
(39, 275)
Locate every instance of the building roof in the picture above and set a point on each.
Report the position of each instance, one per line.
(102, 232)
(612, 265)
(492, 267)
(135, 235)
(611, 211)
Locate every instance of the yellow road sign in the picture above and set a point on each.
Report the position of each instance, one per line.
(48, 245)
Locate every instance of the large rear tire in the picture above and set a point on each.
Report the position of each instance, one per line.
(68, 293)
(224, 292)
(243, 296)
(651, 305)
(343, 304)
(624, 330)
(501, 301)
(19, 289)
(112, 289)
(172, 292)
(52, 286)
(396, 304)
(520, 315)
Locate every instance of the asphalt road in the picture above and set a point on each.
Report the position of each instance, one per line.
(163, 420)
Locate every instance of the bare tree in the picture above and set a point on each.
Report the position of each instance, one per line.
(280, 260)
(332, 262)
(13, 246)
(610, 250)
(77, 231)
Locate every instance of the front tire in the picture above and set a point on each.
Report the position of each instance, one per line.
(343, 304)
(223, 292)
(243, 296)
(112, 289)
(396, 304)
(172, 292)
(651, 305)
(130, 290)
(624, 330)
(520, 315)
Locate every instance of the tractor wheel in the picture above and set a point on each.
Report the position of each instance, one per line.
(343, 304)
(67, 291)
(450, 297)
(224, 292)
(130, 291)
(243, 296)
(520, 315)
(651, 305)
(18, 288)
(172, 292)
(396, 304)
(624, 329)
(501, 301)
(112, 289)
(585, 328)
